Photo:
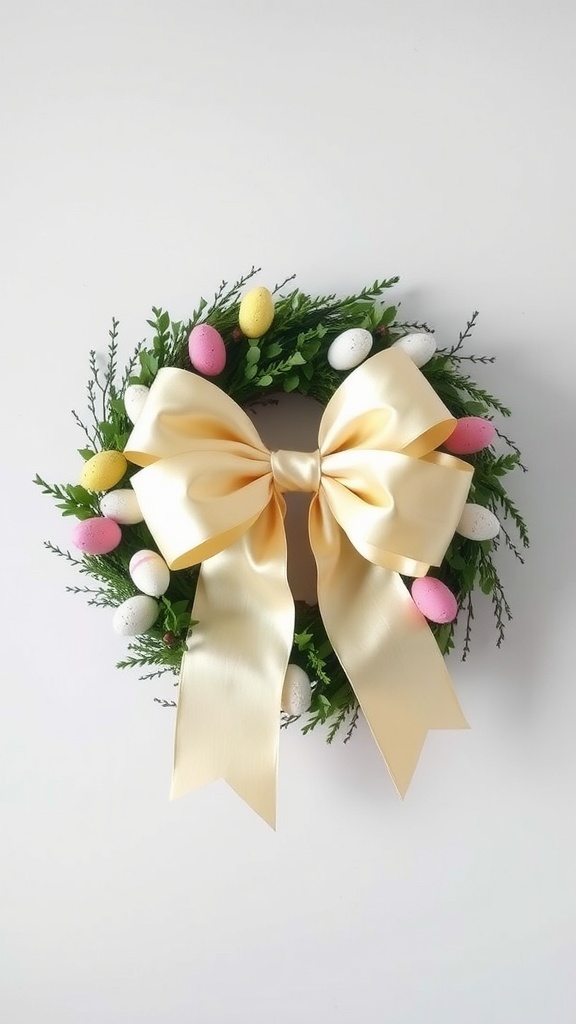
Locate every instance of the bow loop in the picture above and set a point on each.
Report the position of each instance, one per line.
(385, 405)
(395, 504)
(182, 409)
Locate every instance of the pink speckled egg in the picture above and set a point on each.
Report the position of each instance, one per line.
(96, 536)
(207, 350)
(471, 434)
(434, 599)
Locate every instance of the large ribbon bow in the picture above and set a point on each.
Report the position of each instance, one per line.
(384, 503)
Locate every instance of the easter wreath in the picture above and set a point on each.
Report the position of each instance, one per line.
(251, 348)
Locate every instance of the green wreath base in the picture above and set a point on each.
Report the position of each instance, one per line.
(291, 356)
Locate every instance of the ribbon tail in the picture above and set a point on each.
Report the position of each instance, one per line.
(228, 718)
(385, 647)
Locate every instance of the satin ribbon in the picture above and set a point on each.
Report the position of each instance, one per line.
(384, 503)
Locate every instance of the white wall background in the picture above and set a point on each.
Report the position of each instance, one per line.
(148, 149)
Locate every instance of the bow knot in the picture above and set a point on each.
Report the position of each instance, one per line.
(384, 503)
(296, 471)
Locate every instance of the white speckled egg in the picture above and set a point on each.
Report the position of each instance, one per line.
(134, 399)
(149, 572)
(349, 349)
(420, 346)
(135, 615)
(478, 523)
(121, 506)
(296, 692)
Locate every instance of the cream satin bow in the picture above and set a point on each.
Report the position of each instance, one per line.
(384, 503)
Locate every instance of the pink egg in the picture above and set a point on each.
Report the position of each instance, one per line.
(96, 536)
(206, 349)
(434, 599)
(471, 434)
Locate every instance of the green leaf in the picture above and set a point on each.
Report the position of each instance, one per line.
(443, 634)
(120, 441)
(108, 432)
(253, 354)
(456, 561)
(79, 494)
(297, 359)
(302, 640)
(251, 371)
(311, 348)
(86, 453)
(274, 349)
(117, 406)
(80, 513)
(476, 409)
(264, 381)
(468, 577)
(292, 382)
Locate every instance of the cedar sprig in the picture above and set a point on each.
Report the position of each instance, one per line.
(455, 352)
(71, 499)
(151, 650)
(469, 611)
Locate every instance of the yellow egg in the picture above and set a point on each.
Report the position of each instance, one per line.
(256, 313)
(103, 471)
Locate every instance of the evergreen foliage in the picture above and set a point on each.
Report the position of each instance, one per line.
(291, 356)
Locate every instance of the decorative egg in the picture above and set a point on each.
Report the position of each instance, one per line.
(478, 523)
(471, 434)
(149, 572)
(256, 312)
(135, 615)
(134, 398)
(96, 536)
(434, 599)
(103, 471)
(420, 346)
(122, 506)
(349, 349)
(207, 350)
(296, 692)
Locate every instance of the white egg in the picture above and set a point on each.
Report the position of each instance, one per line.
(349, 349)
(420, 346)
(135, 615)
(296, 692)
(134, 399)
(149, 572)
(121, 506)
(478, 523)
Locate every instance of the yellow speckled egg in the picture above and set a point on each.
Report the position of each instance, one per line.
(103, 471)
(256, 312)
